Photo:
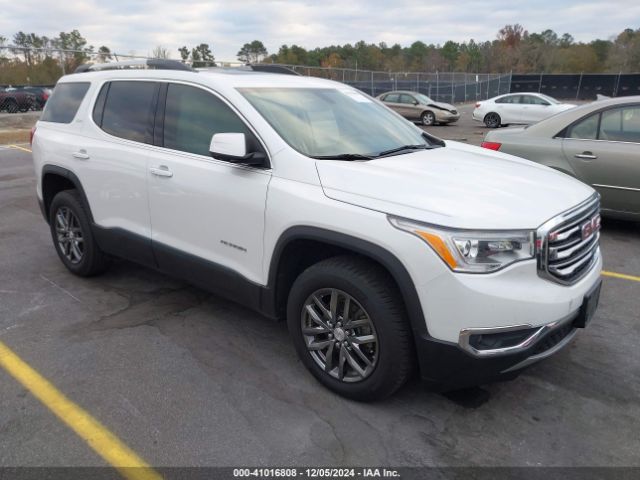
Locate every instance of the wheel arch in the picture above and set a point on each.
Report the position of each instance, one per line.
(302, 246)
(56, 179)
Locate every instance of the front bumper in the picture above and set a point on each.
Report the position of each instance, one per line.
(445, 366)
(512, 302)
(447, 117)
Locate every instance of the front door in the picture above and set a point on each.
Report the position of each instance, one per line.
(207, 215)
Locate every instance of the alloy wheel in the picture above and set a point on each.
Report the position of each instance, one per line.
(339, 335)
(69, 234)
(492, 120)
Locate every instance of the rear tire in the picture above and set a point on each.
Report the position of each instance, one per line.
(492, 120)
(428, 118)
(72, 236)
(365, 325)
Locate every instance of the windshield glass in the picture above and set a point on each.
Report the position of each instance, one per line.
(324, 122)
(548, 98)
(423, 98)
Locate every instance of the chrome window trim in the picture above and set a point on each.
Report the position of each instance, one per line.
(631, 189)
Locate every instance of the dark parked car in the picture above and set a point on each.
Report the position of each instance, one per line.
(17, 100)
(42, 95)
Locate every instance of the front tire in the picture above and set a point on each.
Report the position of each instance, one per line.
(347, 321)
(72, 236)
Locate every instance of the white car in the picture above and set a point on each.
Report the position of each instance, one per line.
(384, 248)
(517, 108)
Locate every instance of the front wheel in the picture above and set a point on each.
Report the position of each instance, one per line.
(492, 120)
(349, 328)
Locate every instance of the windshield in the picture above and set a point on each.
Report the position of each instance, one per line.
(423, 98)
(325, 122)
(549, 99)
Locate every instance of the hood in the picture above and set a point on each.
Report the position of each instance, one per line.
(443, 106)
(455, 186)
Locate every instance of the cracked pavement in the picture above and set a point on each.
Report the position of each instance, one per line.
(188, 379)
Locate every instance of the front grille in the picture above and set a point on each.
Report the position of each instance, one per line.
(568, 243)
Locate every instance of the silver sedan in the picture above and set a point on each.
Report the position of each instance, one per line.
(598, 143)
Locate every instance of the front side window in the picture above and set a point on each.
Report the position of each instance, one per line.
(325, 122)
(533, 100)
(193, 116)
(64, 102)
(407, 99)
(621, 125)
(128, 110)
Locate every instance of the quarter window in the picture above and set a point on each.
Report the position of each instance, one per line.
(129, 109)
(193, 116)
(64, 102)
(586, 129)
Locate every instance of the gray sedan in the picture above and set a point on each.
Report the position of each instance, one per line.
(598, 143)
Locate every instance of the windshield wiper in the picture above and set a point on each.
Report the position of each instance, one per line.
(342, 156)
(403, 148)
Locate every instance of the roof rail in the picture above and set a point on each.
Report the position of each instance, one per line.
(262, 67)
(150, 63)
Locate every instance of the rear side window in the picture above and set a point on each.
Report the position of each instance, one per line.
(128, 110)
(621, 125)
(64, 102)
(392, 97)
(193, 115)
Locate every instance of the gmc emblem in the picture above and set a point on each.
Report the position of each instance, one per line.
(590, 227)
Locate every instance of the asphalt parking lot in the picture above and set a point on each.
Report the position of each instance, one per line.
(184, 378)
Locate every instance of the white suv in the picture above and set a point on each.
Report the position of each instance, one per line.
(384, 248)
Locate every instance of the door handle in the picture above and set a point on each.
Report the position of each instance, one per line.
(81, 155)
(586, 155)
(161, 171)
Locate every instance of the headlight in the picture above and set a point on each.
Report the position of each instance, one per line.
(473, 251)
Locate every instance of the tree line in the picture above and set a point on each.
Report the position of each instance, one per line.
(513, 50)
(36, 61)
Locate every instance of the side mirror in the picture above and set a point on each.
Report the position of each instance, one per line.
(232, 147)
(415, 102)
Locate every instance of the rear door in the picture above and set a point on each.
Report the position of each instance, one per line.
(604, 150)
(510, 109)
(392, 100)
(113, 159)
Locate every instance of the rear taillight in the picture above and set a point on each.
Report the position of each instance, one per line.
(31, 134)
(478, 105)
(45, 96)
(491, 145)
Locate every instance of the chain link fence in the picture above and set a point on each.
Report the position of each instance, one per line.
(449, 87)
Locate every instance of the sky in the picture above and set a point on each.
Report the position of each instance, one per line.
(138, 26)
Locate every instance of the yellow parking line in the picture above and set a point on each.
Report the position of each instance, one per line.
(621, 275)
(18, 147)
(101, 440)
